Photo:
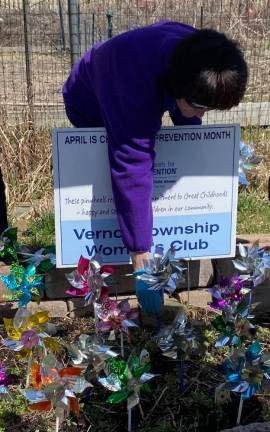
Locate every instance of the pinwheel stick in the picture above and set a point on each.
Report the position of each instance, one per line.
(141, 410)
(158, 325)
(181, 374)
(57, 424)
(122, 344)
(95, 318)
(188, 277)
(129, 419)
(240, 408)
(29, 364)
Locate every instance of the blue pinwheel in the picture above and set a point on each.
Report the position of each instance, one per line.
(247, 371)
(23, 283)
(247, 162)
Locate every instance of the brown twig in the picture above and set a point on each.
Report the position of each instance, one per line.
(156, 403)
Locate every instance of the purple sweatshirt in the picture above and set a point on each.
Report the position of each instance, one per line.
(118, 84)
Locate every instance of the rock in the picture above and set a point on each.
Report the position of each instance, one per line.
(249, 239)
(261, 303)
(56, 283)
(124, 284)
(198, 298)
(77, 308)
(223, 267)
(201, 274)
(23, 210)
(56, 308)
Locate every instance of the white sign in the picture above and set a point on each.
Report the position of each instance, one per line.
(194, 198)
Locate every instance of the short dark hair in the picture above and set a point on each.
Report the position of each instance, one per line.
(209, 69)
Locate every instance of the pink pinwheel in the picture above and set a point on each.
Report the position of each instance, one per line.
(115, 316)
(90, 279)
(29, 339)
(78, 279)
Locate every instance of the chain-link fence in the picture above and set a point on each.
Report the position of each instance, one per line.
(40, 39)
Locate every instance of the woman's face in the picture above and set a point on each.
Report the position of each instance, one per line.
(188, 110)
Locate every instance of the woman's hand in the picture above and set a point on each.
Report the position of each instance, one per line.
(138, 258)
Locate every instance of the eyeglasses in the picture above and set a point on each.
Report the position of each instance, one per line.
(198, 106)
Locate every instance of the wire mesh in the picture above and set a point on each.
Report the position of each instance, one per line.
(35, 49)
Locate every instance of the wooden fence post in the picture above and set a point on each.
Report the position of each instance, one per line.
(27, 51)
(74, 31)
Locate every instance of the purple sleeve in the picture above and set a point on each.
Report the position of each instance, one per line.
(131, 138)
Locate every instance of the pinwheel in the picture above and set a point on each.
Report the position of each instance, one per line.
(8, 244)
(160, 273)
(177, 341)
(55, 387)
(23, 284)
(127, 379)
(177, 337)
(247, 162)
(42, 259)
(254, 262)
(115, 315)
(27, 335)
(27, 330)
(246, 372)
(227, 292)
(86, 346)
(6, 380)
(89, 279)
(90, 351)
(235, 331)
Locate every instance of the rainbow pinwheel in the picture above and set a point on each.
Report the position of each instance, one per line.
(247, 162)
(254, 262)
(27, 332)
(127, 379)
(90, 279)
(55, 387)
(23, 284)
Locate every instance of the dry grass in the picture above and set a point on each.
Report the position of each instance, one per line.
(26, 164)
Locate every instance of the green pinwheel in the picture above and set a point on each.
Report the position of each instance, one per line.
(127, 379)
(8, 244)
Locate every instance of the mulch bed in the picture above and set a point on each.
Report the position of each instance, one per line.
(163, 409)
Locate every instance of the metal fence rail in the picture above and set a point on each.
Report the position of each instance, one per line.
(40, 39)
